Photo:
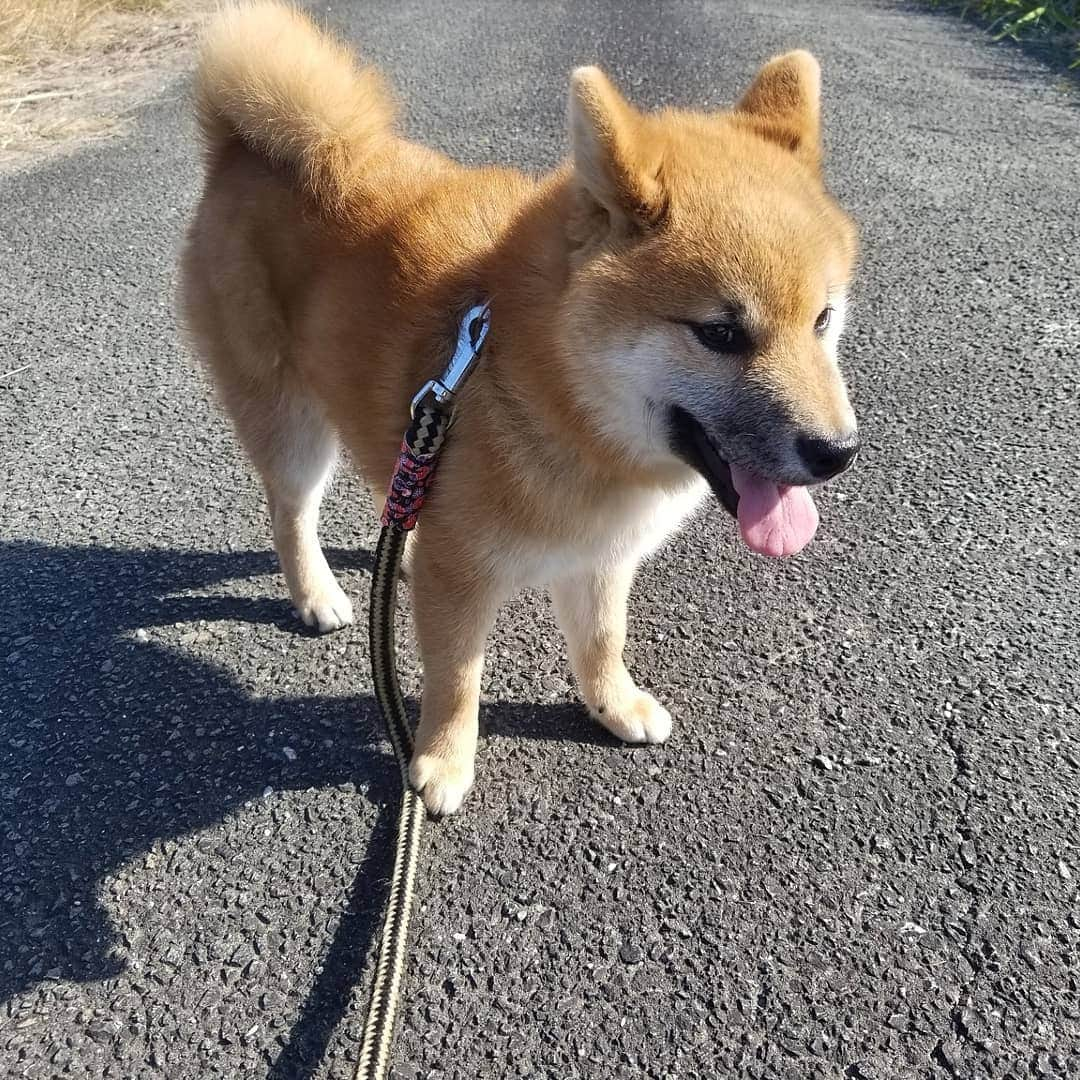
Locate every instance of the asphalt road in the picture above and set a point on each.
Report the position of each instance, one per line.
(856, 858)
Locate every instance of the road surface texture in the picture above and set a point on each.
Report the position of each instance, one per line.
(856, 858)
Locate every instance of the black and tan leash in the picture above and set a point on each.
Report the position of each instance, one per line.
(432, 413)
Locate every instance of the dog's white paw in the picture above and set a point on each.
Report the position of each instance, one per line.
(326, 609)
(441, 783)
(640, 718)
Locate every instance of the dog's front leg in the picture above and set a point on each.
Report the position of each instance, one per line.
(591, 609)
(454, 609)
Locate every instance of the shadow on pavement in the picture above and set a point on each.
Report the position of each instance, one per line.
(108, 746)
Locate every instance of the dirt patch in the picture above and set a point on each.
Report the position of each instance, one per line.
(74, 70)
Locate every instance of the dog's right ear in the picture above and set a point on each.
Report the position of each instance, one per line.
(612, 161)
(783, 105)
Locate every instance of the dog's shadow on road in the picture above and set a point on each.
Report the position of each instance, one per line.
(99, 761)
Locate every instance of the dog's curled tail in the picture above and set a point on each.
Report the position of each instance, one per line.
(271, 79)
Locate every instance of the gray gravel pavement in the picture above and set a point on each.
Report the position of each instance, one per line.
(857, 857)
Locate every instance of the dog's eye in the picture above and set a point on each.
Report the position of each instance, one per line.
(723, 337)
(821, 323)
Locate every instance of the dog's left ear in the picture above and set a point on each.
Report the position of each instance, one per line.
(783, 105)
(612, 154)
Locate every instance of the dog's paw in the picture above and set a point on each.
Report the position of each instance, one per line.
(327, 609)
(640, 718)
(441, 783)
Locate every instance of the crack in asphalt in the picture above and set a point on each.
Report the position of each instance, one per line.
(962, 779)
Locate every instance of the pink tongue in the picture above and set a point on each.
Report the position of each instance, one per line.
(773, 519)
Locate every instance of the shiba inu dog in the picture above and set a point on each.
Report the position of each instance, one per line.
(665, 311)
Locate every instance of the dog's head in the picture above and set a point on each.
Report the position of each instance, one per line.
(710, 269)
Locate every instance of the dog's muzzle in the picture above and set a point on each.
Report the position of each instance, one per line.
(689, 442)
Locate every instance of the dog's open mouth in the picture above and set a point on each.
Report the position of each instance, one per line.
(774, 519)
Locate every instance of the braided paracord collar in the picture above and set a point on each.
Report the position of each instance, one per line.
(432, 411)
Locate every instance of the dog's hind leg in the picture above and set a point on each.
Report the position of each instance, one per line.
(290, 442)
(591, 611)
(304, 454)
(233, 308)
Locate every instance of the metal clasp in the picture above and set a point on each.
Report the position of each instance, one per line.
(472, 330)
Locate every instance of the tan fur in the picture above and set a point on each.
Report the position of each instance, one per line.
(328, 264)
(294, 95)
(782, 104)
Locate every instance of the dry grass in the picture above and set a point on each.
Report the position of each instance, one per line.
(32, 29)
(71, 69)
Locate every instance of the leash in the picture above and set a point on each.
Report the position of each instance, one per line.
(432, 414)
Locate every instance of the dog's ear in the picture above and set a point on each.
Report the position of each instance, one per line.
(616, 168)
(783, 105)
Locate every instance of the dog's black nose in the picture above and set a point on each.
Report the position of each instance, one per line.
(826, 458)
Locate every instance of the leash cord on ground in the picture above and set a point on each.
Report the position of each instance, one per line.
(432, 413)
(389, 971)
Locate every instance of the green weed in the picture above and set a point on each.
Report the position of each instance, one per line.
(1025, 19)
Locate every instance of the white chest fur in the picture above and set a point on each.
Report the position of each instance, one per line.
(623, 527)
